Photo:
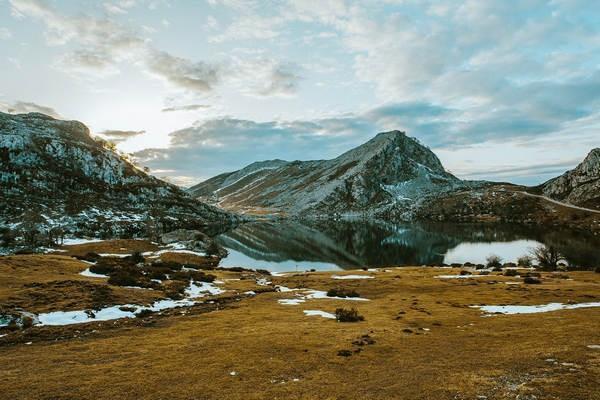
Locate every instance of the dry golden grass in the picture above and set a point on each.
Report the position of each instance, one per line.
(117, 246)
(429, 344)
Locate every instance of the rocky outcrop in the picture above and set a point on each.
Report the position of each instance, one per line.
(57, 170)
(389, 169)
(580, 186)
(194, 240)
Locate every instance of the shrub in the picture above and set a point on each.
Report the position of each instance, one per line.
(524, 261)
(511, 272)
(341, 292)
(364, 340)
(143, 313)
(463, 272)
(547, 256)
(175, 290)
(135, 258)
(101, 268)
(91, 257)
(531, 280)
(493, 261)
(344, 315)
(597, 270)
(344, 353)
(26, 322)
(125, 277)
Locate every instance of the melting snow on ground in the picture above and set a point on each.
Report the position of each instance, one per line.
(91, 274)
(511, 309)
(319, 313)
(310, 294)
(75, 241)
(195, 290)
(351, 277)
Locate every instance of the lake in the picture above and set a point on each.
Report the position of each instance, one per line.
(290, 245)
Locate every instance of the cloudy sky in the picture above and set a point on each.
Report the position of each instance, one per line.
(504, 90)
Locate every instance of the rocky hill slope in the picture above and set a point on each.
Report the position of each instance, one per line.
(389, 169)
(580, 186)
(56, 170)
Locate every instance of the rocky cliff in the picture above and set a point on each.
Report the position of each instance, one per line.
(389, 169)
(57, 170)
(580, 186)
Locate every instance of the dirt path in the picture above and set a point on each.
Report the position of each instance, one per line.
(560, 203)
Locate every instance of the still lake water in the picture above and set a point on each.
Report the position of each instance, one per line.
(329, 245)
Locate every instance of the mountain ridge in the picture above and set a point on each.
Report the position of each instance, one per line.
(369, 178)
(579, 186)
(54, 168)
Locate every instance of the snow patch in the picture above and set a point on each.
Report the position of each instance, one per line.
(514, 309)
(319, 313)
(90, 274)
(351, 277)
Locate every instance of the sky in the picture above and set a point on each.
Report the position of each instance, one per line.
(499, 90)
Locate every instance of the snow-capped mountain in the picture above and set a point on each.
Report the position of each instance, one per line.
(389, 169)
(579, 186)
(58, 170)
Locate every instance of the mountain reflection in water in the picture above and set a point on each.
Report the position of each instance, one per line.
(326, 245)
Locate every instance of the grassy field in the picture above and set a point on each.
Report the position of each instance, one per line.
(420, 338)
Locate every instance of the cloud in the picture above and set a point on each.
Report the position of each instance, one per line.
(193, 76)
(118, 7)
(222, 144)
(117, 136)
(21, 107)
(188, 107)
(104, 44)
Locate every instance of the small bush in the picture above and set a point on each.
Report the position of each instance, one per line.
(26, 322)
(344, 315)
(547, 256)
(511, 272)
(91, 257)
(135, 258)
(144, 313)
(341, 292)
(103, 269)
(344, 353)
(524, 261)
(175, 290)
(263, 272)
(463, 272)
(530, 280)
(125, 277)
(364, 340)
(597, 270)
(493, 261)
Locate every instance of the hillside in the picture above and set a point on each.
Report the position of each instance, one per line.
(54, 172)
(389, 169)
(580, 186)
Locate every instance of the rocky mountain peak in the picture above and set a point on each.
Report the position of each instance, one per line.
(57, 169)
(579, 186)
(389, 168)
(591, 164)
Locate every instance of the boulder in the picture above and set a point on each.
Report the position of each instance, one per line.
(194, 240)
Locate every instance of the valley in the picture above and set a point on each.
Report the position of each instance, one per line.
(285, 279)
(422, 336)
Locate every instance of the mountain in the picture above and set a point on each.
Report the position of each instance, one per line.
(389, 169)
(56, 169)
(580, 186)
